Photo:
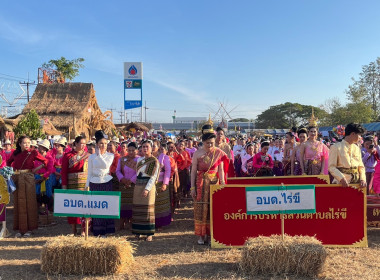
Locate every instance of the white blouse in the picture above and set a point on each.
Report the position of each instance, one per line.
(99, 168)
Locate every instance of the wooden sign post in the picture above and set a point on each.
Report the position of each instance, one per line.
(87, 204)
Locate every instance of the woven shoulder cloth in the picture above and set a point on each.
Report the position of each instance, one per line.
(151, 164)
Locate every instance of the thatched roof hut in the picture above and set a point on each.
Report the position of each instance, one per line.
(71, 108)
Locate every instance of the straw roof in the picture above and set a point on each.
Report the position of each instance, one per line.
(70, 103)
(136, 126)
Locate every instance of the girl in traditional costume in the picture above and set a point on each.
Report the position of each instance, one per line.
(183, 161)
(162, 205)
(59, 147)
(25, 217)
(143, 216)
(222, 144)
(99, 179)
(74, 173)
(296, 155)
(262, 161)
(208, 167)
(247, 160)
(126, 173)
(44, 184)
(173, 181)
(288, 151)
(312, 154)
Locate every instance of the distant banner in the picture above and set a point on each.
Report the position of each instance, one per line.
(340, 218)
(95, 204)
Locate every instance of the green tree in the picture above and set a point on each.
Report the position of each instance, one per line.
(359, 110)
(367, 88)
(29, 125)
(68, 68)
(288, 115)
(239, 120)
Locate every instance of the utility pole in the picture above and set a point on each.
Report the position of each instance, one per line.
(27, 84)
(145, 110)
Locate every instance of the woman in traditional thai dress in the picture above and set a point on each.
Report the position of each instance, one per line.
(99, 179)
(312, 154)
(296, 155)
(25, 216)
(123, 149)
(74, 174)
(126, 173)
(8, 150)
(221, 143)
(44, 185)
(207, 169)
(156, 146)
(262, 162)
(173, 181)
(144, 195)
(288, 151)
(162, 205)
(247, 160)
(183, 161)
(59, 146)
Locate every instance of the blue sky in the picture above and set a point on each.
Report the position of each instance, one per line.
(249, 54)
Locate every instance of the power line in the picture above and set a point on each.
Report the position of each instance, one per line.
(13, 76)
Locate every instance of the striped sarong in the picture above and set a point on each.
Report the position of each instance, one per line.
(162, 206)
(143, 217)
(77, 181)
(25, 217)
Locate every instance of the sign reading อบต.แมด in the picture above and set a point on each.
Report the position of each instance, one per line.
(279, 199)
(95, 204)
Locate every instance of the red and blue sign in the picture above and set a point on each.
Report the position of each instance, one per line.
(132, 70)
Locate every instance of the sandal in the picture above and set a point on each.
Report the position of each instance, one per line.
(149, 238)
(201, 241)
(28, 234)
(18, 235)
(137, 236)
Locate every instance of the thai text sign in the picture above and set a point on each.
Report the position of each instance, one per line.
(95, 204)
(339, 219)
(280, 199)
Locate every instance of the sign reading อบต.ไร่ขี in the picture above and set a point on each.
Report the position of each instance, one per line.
(280, 199)
(95, 204)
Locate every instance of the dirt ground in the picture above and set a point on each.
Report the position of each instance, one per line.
(174, 254)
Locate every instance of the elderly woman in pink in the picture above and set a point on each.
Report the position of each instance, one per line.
(126, 173)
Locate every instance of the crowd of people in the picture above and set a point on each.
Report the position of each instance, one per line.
(154, 174)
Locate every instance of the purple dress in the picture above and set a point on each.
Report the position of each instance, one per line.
(126, 168)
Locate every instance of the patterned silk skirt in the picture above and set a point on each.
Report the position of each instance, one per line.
(126, 198)
(143, 216)
(162, 206)
(102, 226)
(313, 167)
(202, 208)
(25, 216)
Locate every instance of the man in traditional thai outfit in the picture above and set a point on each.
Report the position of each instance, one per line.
(345, 160)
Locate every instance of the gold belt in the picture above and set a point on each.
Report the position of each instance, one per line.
(22, 171)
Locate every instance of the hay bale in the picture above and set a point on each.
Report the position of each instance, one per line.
(296, 255)
(76, 256)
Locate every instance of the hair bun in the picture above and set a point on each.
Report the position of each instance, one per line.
(99, 135)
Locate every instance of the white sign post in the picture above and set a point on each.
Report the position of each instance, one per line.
(280, 200)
